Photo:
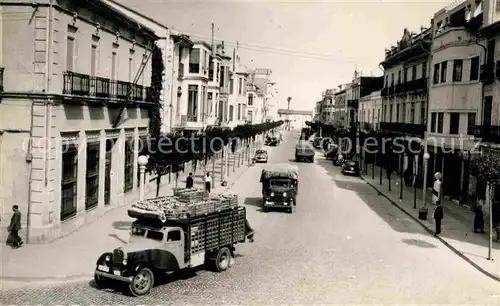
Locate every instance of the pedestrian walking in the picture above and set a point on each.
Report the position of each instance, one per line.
(13, 239)
(249, 232)
(208, 182)
(495, 216)
(478, 220)
(438, 216)
(190, 180)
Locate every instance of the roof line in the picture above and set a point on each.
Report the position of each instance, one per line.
(138, 13)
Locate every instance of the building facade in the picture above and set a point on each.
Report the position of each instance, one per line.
(74, 151)
(340, 105)
(454, 93)
(370, 111)
(255, 105)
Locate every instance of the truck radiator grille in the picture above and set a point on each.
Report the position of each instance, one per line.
(118, 257)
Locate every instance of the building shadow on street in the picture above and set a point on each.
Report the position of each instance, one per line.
(366, 192)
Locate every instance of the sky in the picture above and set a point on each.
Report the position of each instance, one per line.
(309, 45)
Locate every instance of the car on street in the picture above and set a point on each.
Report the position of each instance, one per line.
(273, 142)
(304, 152)
(350, 167)
(261, 156)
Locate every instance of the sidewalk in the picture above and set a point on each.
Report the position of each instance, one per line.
(457, 233)
(73, 257)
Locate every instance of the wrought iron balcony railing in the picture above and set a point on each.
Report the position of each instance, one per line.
(1, 79)
(489, 133)
(404, 128)
(78, 84)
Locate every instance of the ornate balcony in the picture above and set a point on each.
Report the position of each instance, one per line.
(83, 85)
(410, 86)
(411, 129)
(490, 133)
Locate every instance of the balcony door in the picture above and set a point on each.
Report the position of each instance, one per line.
(488, 104)
(110, 143)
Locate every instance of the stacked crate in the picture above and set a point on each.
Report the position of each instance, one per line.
(187, 202)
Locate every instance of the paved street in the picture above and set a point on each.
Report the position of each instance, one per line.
(345, 244)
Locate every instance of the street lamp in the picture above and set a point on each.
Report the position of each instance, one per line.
(142, 161)
(422, 213)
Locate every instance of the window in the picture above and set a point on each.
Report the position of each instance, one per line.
(239, 111)
(209, 102)
(192, 110)
(406, 75)
(69, 181)
(412, 113)
(457, 70)
(231, 86)
(391, 109)
(440, 122)
(143, 142)
(93, 60)
(454, 123)
(250, 100)
(92, 176)
(249, 116)
(474, 68)
(397, 112)
(471, 123)
(399, 77)
(414, 72)
(240, 86)
(154, 235)
(387, 81)
(231, 112)
(211, 69)
(128, 179)
(403, 113)
(113, 65)
(131, 75)
(143, 75)
(385, 114)
(70, 53)
(433, 122)
(217, 73)
(174, 235)
(194, 60)
(436, 74)
(110, 143)
(392, 79)
(444, 67)
(424, 70)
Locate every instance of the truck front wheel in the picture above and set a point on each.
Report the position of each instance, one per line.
(222, 260)
(142, 282)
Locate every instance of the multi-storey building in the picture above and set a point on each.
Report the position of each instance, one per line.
(255, 104)
(340, 105)
(360, 87)
(455, 91)
(262, 79)
(296, 118)
(237, 91)
(370, 111)
(72, 70)
(328, 107)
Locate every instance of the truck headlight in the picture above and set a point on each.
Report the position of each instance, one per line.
(284, 194)
(108, 258)
(124, 262)
(272, 194)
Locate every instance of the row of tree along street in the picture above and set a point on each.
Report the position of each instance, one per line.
(378, 147)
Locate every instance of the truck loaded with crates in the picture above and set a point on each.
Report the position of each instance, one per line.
(173, 233)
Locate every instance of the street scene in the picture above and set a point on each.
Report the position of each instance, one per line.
(181, 153)
(310, 256)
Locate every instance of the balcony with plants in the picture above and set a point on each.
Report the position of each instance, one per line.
(103, 89)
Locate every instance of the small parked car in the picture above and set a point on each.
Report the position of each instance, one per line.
(350, 167)
(261, 156)
(274, 142)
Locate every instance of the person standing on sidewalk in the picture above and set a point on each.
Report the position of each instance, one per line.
(478, 220)
(15, 226)
(438, 216)
(208, 182)
(190, 180)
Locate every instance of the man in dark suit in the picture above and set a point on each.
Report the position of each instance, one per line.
(190, 181)
(15, 226)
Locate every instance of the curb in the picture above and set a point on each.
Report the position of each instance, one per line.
(42, 280)
(430, 231)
